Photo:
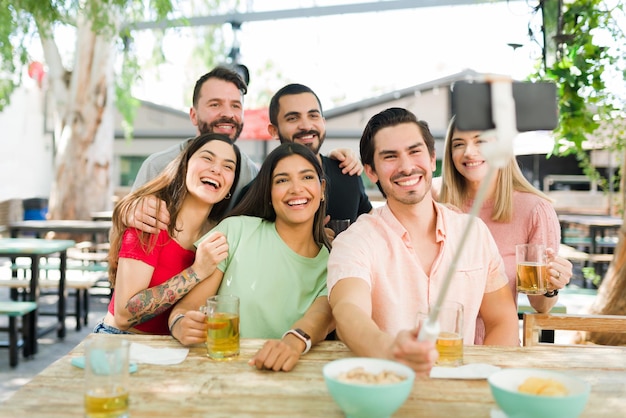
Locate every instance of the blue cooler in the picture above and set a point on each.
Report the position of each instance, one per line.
(35, 209)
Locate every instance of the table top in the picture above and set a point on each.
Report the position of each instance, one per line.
(77, 226)
(33, 246)
(199, 387)
(592, 220)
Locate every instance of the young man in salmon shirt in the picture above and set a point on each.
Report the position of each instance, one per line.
(390, 264)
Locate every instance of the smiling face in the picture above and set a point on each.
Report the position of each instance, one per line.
(467, 157)
(296, 191)
(211, 171)
(300, 120)
(219, 109)
(402, 164)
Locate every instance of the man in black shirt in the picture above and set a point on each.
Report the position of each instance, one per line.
(296, 116)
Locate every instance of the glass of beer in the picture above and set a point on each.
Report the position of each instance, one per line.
(106, 377)
(450, 340)
(532, 270)
(222, 338)
(338, 225)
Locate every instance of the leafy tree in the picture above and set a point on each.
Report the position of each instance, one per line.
(590, 54)
(80, 86)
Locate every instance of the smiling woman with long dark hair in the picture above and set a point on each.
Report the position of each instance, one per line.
(276, 264)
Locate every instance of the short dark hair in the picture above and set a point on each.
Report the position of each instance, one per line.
(391, 117)
(288, 90)
(258, 200)
(221, 73)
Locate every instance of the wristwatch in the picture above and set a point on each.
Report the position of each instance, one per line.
(297, 332)
(551, 293)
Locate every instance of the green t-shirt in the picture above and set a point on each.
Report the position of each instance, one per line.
(275, 285)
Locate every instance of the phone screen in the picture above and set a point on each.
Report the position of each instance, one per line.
(535, 106)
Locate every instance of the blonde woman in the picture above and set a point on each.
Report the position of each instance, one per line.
(515, 212)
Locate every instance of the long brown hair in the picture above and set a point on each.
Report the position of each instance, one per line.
(170, 187)
(258, 200)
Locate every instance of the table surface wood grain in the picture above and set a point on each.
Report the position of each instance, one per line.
(200, 387)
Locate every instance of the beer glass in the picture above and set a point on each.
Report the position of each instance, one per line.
(338, 225)
(532, 270)
(106, 377)
(222, 340)
(450, 340)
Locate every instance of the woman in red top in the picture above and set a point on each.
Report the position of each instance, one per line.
(151, 272)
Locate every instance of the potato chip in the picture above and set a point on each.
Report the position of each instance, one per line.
(543, 387)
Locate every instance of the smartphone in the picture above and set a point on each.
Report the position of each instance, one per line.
(535, 105)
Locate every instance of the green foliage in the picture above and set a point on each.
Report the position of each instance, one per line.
(126, 104)
(589, 273)
(581, 70)
(23, 21)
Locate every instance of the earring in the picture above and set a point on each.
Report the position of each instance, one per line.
(228, 196)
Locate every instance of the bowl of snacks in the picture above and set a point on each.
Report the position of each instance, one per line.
(536, 393)
(368, 387)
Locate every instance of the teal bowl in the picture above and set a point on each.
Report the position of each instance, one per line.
(361, 400)
(504, 386)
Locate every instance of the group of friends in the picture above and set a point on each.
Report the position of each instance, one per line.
(203, 219)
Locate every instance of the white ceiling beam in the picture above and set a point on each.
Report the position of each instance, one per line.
(316, 11)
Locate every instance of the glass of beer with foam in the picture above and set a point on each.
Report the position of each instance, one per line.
(532, 270)
(222, 315)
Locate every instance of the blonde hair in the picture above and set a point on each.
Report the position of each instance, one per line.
(455, 191)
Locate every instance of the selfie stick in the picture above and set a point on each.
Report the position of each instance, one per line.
(497, 153)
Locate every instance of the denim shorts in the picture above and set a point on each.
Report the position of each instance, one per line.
(102, 328)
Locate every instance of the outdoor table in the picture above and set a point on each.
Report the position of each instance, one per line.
(596, 224)
(200, 387)
(35, 248)
(98, 229)
(105, 215)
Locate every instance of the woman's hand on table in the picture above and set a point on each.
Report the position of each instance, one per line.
(191, 329)
(275, 355)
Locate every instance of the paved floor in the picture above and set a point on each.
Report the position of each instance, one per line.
(51, 349)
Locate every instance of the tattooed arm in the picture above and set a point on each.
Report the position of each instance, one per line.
(136, 302)
(150, 302)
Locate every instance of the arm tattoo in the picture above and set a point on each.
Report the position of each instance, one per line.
(153, 301)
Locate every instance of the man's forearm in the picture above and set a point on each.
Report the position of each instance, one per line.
(359, 332)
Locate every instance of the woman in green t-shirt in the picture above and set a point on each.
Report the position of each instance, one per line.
(276, 264)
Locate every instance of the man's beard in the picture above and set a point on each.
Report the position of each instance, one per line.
(311, 146)
(206, 128)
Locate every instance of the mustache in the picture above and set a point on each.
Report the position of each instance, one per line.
(224, 120)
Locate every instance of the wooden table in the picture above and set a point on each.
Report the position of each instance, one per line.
(35, 248)
(199, 387)
(98, 229)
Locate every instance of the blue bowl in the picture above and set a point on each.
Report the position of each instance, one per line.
(504, 386)
(360, 400)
